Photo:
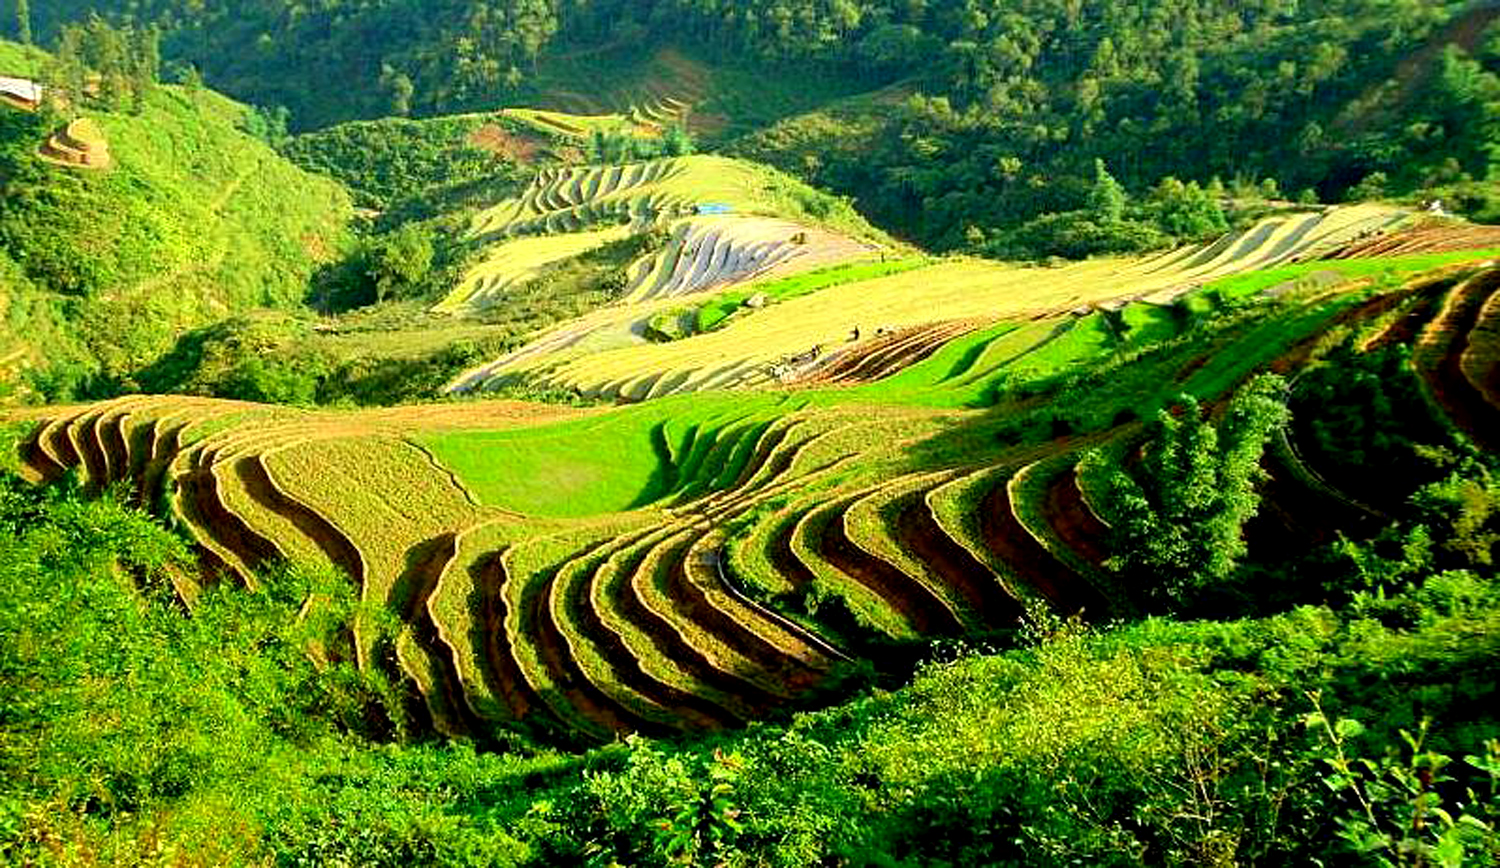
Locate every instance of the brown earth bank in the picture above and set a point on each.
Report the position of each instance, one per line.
(1453, 391)
(1072, 519)
(1069, 593)
(917, 531)
(923, 609)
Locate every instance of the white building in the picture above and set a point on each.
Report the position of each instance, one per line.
(21, 90)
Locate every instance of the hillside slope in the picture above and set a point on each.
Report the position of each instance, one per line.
(701, 561)
(589, 354)
(196, 220)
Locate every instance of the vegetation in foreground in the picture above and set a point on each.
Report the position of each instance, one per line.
(1357, 732)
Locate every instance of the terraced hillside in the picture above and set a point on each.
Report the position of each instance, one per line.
(790, 341)
(570, 198)
(646, 98)
(701, 561)
(762, 224)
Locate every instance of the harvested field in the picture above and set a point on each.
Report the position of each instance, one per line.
(665, 632)
(884, 354)
(765, 342)
(708, 253)
(1434, 239)
(634, 676)
(564, 572)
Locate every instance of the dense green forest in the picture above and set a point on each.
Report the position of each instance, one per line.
(995, 114)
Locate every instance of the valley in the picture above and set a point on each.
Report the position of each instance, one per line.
(506, 433)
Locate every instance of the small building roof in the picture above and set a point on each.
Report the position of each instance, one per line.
(20, 88)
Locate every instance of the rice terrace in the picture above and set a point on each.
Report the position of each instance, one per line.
(749, 434)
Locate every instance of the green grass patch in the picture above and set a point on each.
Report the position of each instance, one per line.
(1392, 268)
(715, 312)
(601, 464)
(20, 61)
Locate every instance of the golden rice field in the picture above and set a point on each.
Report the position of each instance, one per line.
(516, 262)
(954, 290)
(707, 253)
(570, 210)
(703, 560)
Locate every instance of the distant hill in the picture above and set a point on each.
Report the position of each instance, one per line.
(195, 220)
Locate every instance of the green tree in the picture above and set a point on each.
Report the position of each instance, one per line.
(1107, 199)
(1177, 520)
(398, 85)
(400, 261)
(23, 21)
(676, 142)
(1186, 211)
(145, 63)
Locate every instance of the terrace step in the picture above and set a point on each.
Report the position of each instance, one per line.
(927, 613)
(1049, 505)
(647, 602)
(52, 450)
(1030, 562)
(872, 524)
(918, 530)
(256, 479)
(1438, 359)
(634, 667)
(194, 508)
(956, 508)
(447, 701)
(81, 433)
(1481, 356)
(795, 656)
(503, 670)
(545, 660)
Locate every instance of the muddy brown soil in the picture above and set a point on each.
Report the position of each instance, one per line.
(917, 531)
(1073, 521)
(1458, 397)
(923, 609)
(1068, 592)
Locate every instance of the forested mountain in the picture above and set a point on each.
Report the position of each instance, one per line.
(999, 109)
(183, 218)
